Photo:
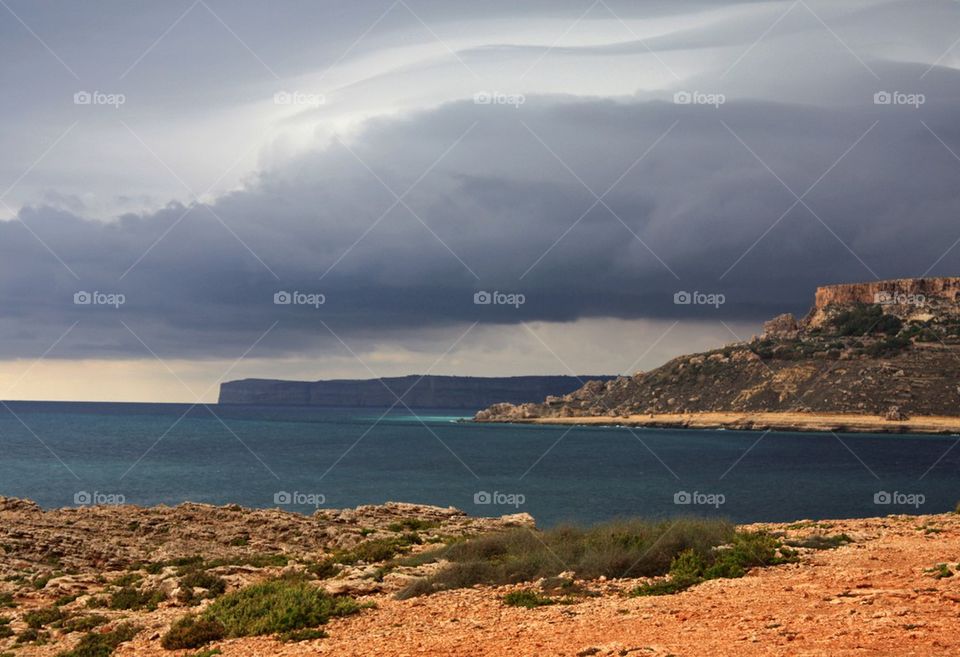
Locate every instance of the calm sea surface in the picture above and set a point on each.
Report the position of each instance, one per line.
(60, 454)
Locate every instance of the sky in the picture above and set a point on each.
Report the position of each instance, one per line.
(199, 191)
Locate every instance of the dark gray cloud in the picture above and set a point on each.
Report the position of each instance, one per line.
(506, 199)
(497, 202)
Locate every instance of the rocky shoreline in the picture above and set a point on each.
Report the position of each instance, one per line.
(798, 422)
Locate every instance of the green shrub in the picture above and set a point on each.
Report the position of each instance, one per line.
(820, 541)
(527, 598)
(134, 599)
(890, 346)
(940, 571)
(6, 599)
(101, 644)
(192, 632)
(276, 606)
(746, 550)
(380, 549)
(33, 635)
(214, 585)
(614, 549)
(84, 623)
(40, 617)
(324, 569)
(412, 525)
(864, 319)
(127, 579)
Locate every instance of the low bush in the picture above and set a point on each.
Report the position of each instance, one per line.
(286, 606)
(84, 623)
(40, 617)
(129, 598)
(411, 525)
(820, 541)
(527, 598)
(865, 319)
(279, 605)
(630, 548)
(213, 584)
(191, 632)
(747, 550)
(101, 644)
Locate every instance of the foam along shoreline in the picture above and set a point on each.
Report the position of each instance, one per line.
(813, 422)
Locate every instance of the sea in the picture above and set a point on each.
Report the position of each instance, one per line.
(306, 458)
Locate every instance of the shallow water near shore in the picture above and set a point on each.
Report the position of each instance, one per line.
(59, 454)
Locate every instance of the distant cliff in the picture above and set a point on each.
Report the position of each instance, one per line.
(455, 392)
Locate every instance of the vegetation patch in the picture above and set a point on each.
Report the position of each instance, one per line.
(214, 585)
(41, 617)
(528, 599)
(134, 599)
(940, 571)
(629, 548)
(820, 541)
(84, 623)
(192, 632)
(278, 606)
(864, 319)
(747, 550)
(101, 644)
(411, 525)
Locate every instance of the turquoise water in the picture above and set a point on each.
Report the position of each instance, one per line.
(147, 454)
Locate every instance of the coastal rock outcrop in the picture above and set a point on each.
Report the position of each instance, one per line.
(888, 348)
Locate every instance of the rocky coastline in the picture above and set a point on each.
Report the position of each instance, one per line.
(80, 577)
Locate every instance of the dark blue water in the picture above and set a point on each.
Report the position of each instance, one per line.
(62, 453)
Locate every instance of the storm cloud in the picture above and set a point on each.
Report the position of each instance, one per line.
(586, 203)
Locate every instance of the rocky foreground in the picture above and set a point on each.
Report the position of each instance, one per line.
(891, 587)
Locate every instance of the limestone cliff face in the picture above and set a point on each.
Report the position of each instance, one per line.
(919, 299)
(454, 392)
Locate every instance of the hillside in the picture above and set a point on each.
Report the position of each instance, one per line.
(889, 349)
(431, 391)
